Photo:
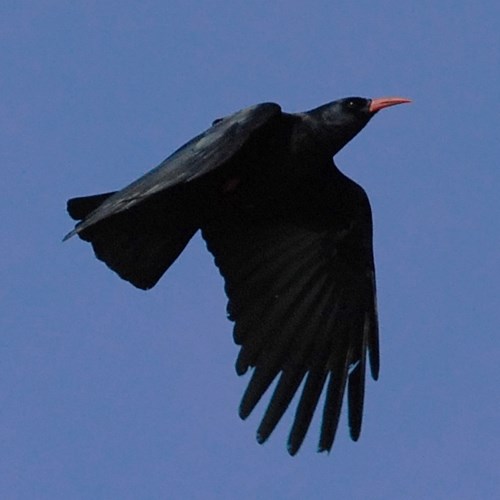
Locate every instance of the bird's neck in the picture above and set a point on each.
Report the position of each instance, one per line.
(301, 137)
(316, 138)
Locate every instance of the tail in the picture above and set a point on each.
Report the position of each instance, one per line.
(139, 244)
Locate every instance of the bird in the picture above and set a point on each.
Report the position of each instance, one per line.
(292, 238)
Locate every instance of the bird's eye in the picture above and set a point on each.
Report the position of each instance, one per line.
(354, 104)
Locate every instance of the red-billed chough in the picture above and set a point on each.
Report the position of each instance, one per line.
(292, 237)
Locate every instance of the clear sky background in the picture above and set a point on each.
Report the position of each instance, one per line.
(110, 392)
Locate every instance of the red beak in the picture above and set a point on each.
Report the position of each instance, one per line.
(385, 102)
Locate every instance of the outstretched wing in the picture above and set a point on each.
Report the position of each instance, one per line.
(206, 152)
(301, 289)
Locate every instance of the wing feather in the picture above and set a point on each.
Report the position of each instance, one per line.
(275, 354)
(203, 154)
(301, 292)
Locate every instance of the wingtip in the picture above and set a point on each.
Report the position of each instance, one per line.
(355, 432)
(261, 439)
(243, 412)
(240, 368)
(69, 235)
(374, 364)
(324, 449)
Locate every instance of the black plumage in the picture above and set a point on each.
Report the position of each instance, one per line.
(290, 234)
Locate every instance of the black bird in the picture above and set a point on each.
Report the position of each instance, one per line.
(292, 237)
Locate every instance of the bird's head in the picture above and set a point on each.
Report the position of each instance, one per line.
(337, 122)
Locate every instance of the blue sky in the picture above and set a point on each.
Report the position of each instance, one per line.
(110, 392)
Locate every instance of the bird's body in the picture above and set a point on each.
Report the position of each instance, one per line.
(292, 237)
